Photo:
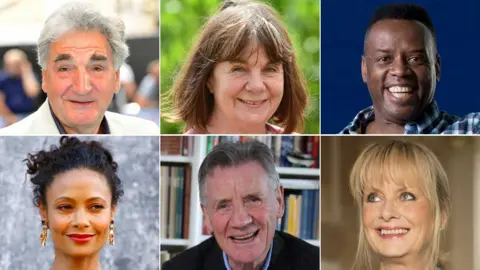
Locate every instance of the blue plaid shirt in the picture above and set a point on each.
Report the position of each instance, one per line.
(433, 121)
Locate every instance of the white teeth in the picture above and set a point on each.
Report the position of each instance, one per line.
(394, 232)
(400, 89)
(243, 237)
(400, 95)
(251, 102)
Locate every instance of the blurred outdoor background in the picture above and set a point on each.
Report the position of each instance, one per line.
(180, 24)
(21, 22)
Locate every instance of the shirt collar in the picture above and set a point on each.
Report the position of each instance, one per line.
(103, 125)
(428, 121)
(265, 265)
(360, 122)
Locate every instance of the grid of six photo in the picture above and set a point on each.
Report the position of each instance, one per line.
(195, 134)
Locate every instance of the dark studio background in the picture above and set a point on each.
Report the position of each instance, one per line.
(343, 26)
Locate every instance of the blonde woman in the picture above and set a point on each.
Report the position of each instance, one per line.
(403, 195)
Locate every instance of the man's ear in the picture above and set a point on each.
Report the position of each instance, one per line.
(280, 202)
(206, 220)
(117, 81)
(364, 69)
(437, 68)
(44, 79)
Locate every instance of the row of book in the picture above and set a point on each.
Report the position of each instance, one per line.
(301, 217)
(175, 201)
(177, 145)
(288, 151)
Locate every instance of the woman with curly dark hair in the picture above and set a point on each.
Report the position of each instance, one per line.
(76, 188)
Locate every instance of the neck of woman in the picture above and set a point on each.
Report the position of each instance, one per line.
(404, 264)
(63, 261)
(221, 125)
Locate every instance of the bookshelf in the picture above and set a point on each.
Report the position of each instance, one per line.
(297, 171)
(175, 242)
(291, 178)
(176, 159)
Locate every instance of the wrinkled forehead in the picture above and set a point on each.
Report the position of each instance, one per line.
(81, 45)
(248, 175)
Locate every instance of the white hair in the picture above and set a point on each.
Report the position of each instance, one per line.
(81, 16)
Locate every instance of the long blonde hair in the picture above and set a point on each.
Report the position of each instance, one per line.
(400, 161)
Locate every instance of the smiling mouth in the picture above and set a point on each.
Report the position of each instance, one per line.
(244, 238)
(392, 233)
(79, 238)
(81, 102)
(252, 103)
(400, 91)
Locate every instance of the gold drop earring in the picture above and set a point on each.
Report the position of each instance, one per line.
(111, 233)
(44, 234)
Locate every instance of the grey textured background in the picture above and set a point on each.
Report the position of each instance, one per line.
(137, 217)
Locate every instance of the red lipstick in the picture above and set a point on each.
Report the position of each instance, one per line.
(80, 238)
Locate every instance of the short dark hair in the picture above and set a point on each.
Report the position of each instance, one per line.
(402, 11)
(72, 153)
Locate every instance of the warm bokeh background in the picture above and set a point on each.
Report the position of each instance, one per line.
(460, 157)
(180, 24)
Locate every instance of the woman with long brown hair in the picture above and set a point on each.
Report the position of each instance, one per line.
(241, 76)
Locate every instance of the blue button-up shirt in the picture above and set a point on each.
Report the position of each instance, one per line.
(433, 121)
(265, 266)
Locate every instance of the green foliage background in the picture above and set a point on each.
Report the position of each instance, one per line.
(180, 24)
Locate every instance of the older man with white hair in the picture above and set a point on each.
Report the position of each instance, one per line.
(242, 199)
(80, 52)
